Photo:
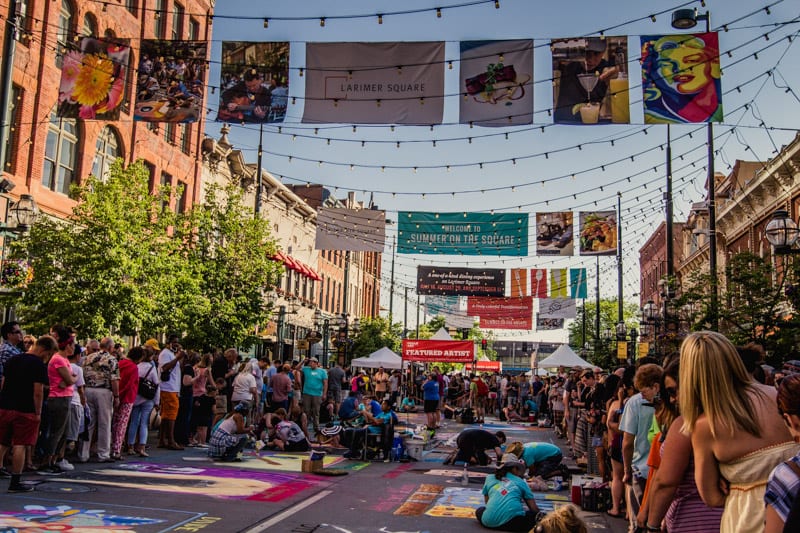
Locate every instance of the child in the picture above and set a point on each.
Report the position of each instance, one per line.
(221, 401)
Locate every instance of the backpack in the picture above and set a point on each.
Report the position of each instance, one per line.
(483, 389)
(467, 416)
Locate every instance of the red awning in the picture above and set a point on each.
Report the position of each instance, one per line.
(296, 265)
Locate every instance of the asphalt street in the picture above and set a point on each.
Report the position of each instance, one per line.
(184, 491)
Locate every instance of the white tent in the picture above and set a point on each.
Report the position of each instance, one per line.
(441, 335)
(564, 356)
(382, 358)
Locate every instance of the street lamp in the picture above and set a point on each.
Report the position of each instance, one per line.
(782, 233)
(281, 321)
(686, 19)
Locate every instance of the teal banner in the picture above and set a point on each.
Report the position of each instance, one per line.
(462, 233)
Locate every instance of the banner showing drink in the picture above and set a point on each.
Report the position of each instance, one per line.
(255, 82)
(461, 281)
(590, 80)
(598, 233)
(438, 351)
(558, 283)
(462, 233)
(497, 82)
(502, 313)
(375, 83)
(554, 234)
(681, 78)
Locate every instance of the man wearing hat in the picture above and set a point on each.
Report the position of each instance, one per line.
(571, 91)
(315, 388)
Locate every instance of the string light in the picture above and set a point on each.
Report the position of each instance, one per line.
(380, 18)
(438, 12)
(322, 22)
(266, 23)
(497, 4)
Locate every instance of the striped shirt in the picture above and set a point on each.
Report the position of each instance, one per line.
(782, 488)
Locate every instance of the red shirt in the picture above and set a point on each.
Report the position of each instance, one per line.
(128, 380)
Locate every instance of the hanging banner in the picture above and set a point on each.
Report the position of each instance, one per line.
(461, 281)
(502, 313)
(438, 351)
(170, 81)
(598, 233)
(539, 282)
(557, 308)
(590, 80)
(519, 282)
(558, 283)
(489, 366)
(577, 283)
(374, 83)
(681, 78)
(93, 79)
(462, 233)
(554, 234)
(356, 230)
(254, 86)
(643, 350)
(496, 82)
(548, 324)
(622, 350)
(452, 308)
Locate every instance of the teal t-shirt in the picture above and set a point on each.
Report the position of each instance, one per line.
(533, 407)
(506, 499)
(314, 380)
(536, 452)
(387, 419)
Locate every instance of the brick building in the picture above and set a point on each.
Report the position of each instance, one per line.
(44, 155)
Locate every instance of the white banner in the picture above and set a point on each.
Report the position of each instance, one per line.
(496, 82)
(355, 230)
(557, 308)
(374, 83)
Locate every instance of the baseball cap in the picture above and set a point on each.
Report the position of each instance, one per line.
(595, 44)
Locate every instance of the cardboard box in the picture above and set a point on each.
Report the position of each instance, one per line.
(309, 466)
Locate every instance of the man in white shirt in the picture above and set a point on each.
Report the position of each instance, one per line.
(169, 366)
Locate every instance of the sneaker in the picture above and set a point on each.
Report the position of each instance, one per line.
(4, 474)
(20, 487)
(65, 465)
(49, 470)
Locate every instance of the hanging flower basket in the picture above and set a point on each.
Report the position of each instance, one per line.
(16, 274)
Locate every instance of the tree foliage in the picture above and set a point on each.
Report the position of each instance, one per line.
(600, 352)
(374, 334)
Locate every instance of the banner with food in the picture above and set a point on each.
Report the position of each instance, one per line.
(539, 282)
(681, 78)
(93, 79)
(598, 233)
(453, 281)
(420, 232)
(356, 230)
(557, 308)
(519, 282)
(554, 234)
(254, 85)
(578, 288)
(496, 82)
(590, 80)
(170, 81)
(374, 83)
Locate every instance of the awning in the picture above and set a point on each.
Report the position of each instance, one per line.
(296, 265)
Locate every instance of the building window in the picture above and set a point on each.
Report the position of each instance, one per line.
(89, 26)
(177, 21)
(161, 19)
(166, 182)
(64, 27)
(60, 154)
(169, 132)
(22, 21)
(107, 151)
(131, 6)
(151, 171)
(12, 139)
(194, 29)
(183, 195)
(186, 137)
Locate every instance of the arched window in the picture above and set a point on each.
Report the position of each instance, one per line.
(89, 26)
(107, 150)
(65, 25)
(60, 154)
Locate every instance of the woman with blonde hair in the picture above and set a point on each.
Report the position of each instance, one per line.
(562, 520)
(737, 434)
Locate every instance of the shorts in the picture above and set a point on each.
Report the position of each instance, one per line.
(301, 446)
(492, 395)
(74, 420)
(431, 406)
(18, 429)
(169, 406)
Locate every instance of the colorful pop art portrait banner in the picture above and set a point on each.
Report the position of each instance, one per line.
(255, 82)
(462, 233)
(362, 83)
(448, 281)
(356, 230)
(681, 78)
(497, 82)
(590, 80)
(438, 351)
(598, 233)
(170, 81)
(93, 79)
(502, 313)
(554, 234)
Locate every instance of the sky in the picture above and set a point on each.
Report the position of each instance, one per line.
(761, 114)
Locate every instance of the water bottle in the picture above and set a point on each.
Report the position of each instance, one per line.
(397, 447)
(465, 477)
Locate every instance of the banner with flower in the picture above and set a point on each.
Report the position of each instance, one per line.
(93, 79)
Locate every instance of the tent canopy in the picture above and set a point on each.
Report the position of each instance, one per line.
(441, 335)
(564, 356)
(381, 358)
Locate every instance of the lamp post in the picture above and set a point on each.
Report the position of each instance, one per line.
(651, 318)
(23, 214)
(633, 335)
(281, 323)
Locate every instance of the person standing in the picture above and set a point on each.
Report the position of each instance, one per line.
(430, 397)
(61, 379)
(315, 387)
(335, 380)
(169, 361)
(12, 335)
(128, 389)
(281, 385)
(381, 381)
(143, 406)
(101, 373)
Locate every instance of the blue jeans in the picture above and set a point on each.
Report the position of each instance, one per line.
(140, 422)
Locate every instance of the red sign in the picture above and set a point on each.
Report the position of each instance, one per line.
(439, 351)
(502, 313)
(489, 366)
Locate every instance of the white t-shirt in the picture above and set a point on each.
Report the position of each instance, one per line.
(256, 370)
(174, 383)
(241, 387)
(79, 382)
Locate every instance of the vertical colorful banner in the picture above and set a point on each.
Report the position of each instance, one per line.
(558, 283)
(497, 82)
(554, 234)
(519, 282)
(539, 282)
(681, 78)
(577, 283)
(590, 81)
(598, 233)
(255, 82)
(170, 81)
(93, 79)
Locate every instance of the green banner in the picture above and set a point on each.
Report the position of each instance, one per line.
(462, 233)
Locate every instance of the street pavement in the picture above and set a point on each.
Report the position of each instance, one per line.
(183, 491)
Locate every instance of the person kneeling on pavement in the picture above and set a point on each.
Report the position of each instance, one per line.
(473, 443)
(288, 436)
(230, 436)
(506, 496)
(541, 458)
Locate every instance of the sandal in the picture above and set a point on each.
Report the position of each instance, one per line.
(616, 515)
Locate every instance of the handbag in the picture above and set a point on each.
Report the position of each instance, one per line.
(147, 389)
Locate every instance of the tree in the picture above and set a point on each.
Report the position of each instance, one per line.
(374, 334)
(600, 352)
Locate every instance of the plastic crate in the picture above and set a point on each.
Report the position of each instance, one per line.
(595, 498)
